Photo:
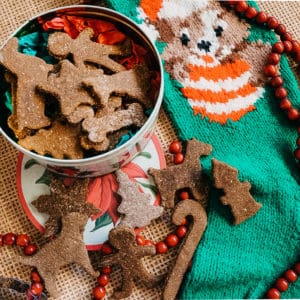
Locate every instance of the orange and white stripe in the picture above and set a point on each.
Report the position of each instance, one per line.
(221, 92)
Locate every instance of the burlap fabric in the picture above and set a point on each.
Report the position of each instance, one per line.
(73, 282)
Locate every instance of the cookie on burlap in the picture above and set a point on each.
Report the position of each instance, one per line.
(185, 175)
(28, 71)
(84, 50)
(67, 248)
(237, 194)
(60, 141)
(135, 206)
(129, 256)
(197, 227)
(63, 200)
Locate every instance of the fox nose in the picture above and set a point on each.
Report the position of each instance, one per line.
(205, 45)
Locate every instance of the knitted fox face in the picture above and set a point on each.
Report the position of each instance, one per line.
(208, 54)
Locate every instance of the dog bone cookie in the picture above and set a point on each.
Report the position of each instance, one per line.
(182, 210)
(98, 128)
(59, 141)
(129, 257)
(237, 194)
(186, 175)
(68, 89)
(67, 248)
(135, 206)
(133, 83)
(63, 200)
(83, 50)
(80, 113)
(28, 106)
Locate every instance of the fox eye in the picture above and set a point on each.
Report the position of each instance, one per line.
(219, 30)
(184, 39)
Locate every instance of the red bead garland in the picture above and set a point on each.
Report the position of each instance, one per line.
(23, 241)
(288, 46)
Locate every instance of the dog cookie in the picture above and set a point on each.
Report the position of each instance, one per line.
(135, 206)
(237, 194)
(129, 257)
(98, 128)
(185, 175)
(84, 50)
(60, 141)
(28, 106)
(63, 200)
(189, 244)
(80, 113)
(67, 248)
(134, 83)
(66, 86)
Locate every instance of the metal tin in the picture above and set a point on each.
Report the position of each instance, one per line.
(110, 161)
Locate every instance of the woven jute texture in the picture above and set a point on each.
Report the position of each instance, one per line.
(73, 282)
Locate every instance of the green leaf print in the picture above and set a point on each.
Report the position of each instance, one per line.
(102, 221)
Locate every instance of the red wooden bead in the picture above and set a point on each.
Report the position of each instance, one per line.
(276, 81)
(285, 104)
(270, 70)
(281, 284)
(106, 270)
(293, 114)
(273, 294)
(278, 47)
(23, 240)
(161, 247)
(149, 243)
(272, 23)
(106, 249)
(30, 249)
(274, 58)
(36, 288)
(251, 12)
(175, 147)
(280, 93)
(296, 46)
(9, 239)
(234, 2)
(296, 268)
(287, 36)
(184, 221)
(35, 276)
(297, 153)
(280, 29)
(99, 292)
(172, 240)
(140, 240)
(241, 6)
(1, 240)
(261, 17)
(288, 47)
(178, 158)
(290, 275)
(103, 279)
(181, 231)
(184, 195)
(297, 57)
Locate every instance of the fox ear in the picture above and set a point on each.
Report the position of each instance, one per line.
(151, 8)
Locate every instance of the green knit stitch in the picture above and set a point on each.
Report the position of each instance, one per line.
(243, 261)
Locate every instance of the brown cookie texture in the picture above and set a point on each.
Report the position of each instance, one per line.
(62, 201)
(237, 194)
(27, 71)
(196, 229)
(98, 128)
(84, 50)
(134, 83)
(67, 248)
(60, 141)
(129, 256)
(185, 175)
(135, 206)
